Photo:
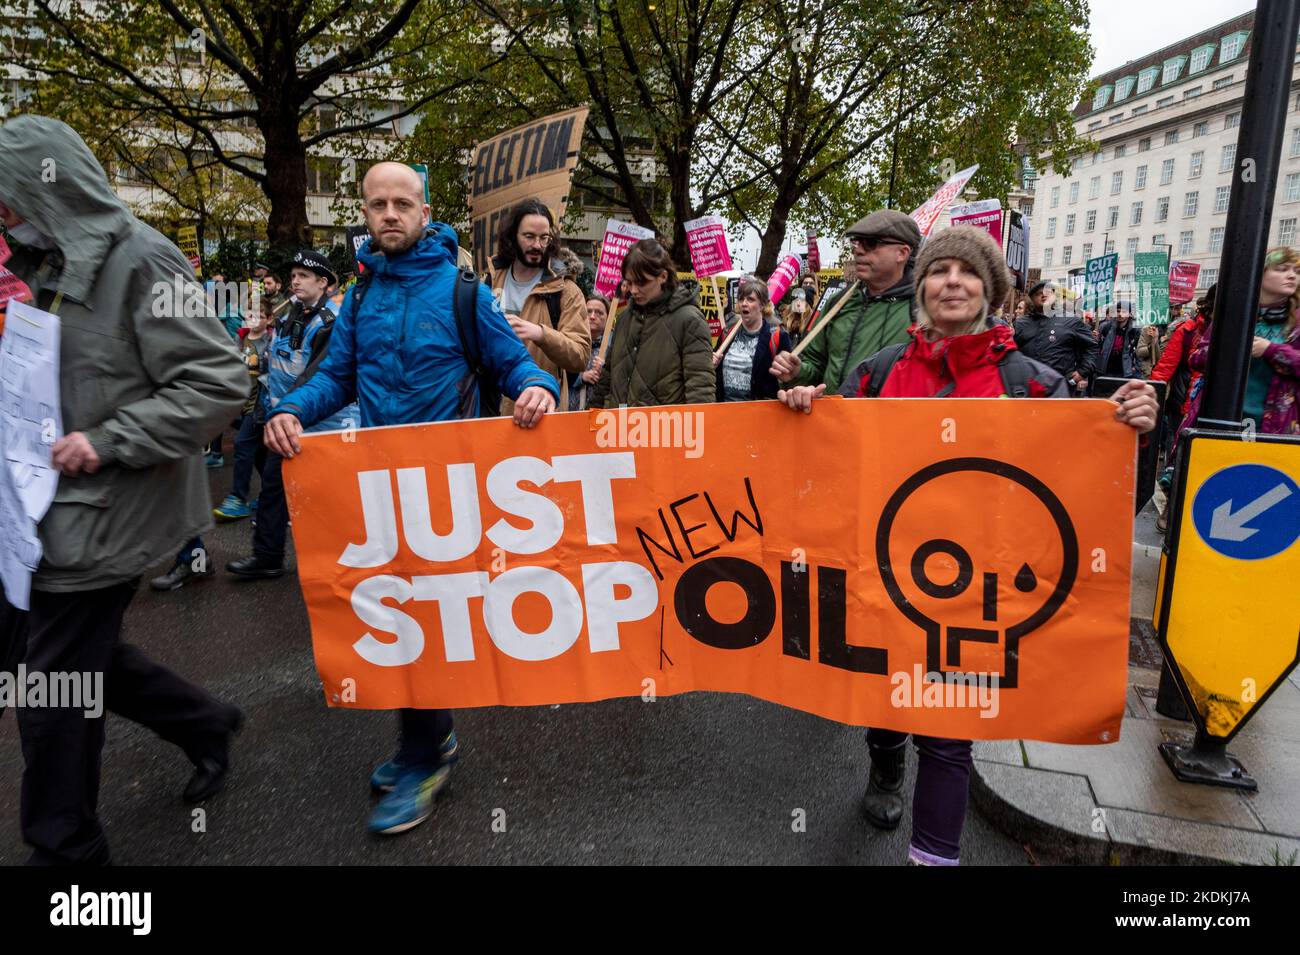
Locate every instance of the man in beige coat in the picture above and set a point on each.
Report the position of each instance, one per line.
(547, 313)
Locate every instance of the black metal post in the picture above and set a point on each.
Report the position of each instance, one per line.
(1250, 207)
(898, 121)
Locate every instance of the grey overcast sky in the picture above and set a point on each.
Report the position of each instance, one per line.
(1124, 30)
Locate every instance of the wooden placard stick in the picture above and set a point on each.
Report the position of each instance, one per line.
(817, 329)
(726, 342)
(609, 327)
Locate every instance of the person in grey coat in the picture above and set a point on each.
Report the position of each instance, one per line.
(145, 380)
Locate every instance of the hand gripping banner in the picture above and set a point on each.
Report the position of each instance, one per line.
(944, 567)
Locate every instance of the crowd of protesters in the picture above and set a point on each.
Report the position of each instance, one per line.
(418, 338)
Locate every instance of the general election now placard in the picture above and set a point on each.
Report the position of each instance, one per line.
(935, 566)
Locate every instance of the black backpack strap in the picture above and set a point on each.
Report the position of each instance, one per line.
(553, 302)
(465, 309)
(1016, 371)
(320, 343)
(876, 369)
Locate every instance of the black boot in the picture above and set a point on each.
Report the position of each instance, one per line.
(210, 769)
(882, 803)
(256, 567)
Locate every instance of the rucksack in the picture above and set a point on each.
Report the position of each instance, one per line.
(1015, 370)
(480, 381)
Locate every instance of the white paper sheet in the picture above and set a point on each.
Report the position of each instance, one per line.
(31, 417)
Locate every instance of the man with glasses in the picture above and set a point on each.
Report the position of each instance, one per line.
(547, 313)
(877, 314)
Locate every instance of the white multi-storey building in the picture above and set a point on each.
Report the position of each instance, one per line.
(1164, 129)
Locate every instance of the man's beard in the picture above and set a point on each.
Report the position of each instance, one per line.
(532, 258)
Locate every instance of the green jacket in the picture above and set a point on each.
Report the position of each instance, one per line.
(660, 355)
(147, 380)
(866, 324)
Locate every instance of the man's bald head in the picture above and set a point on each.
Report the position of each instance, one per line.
(394, 206)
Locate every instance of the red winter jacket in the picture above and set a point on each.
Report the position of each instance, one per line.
(964, 366)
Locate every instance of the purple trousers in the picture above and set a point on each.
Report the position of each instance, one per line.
(939, 799)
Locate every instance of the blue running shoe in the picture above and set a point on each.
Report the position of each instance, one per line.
(411, 801)
(233, 508)
(385, 776)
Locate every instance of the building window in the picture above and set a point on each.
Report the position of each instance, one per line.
(1096, 157)
(1094, 126)
(1144, 144)
(1191, 202)
(1139, 110)
(1121, 150)
(1208, 277)
(1116, 183)
(1216, 238)
(1201, 128)
(1102, 97)
(1056, 197)
(1185, 243)
(1047, 258)
(1087, 251)
(1131, 247)
(1222, 81)
(1221, 198)
(1228, 157)
(1201, 57)
(1147, 78)
(1140, 178)
(1116, 117)
(1027, 209)
(1285, 232)
(1066, 254)
(1233, 120)
(1158, 241)
(1162, 208)
(1135, 214)
(1094, 187)
(1090, 221)
(1192, 93)
(1051, 227)
(1171, 137)
(1231, 45)
(1166, 172)
(1109, 248)
(1291, 187)
(1295, 142)
(1197, 160)
(1123, 87)
(1173, 67)
(1069, 224)
(1076, 164)
(1074, 192)
(1112, 217)
(1164, 101)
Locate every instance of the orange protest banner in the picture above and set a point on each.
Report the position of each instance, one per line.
(935, 566)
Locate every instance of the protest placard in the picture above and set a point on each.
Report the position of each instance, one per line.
(707, 239)
(187, 239)
(619, 237)
(985, 214)
(533, 161)
(928, 212)
(1099, 282)
(1182, 281)
(633, 550)
(1151, 273)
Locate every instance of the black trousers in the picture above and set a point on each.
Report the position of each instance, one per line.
(272, 512)
(79, 633)
(422, 733)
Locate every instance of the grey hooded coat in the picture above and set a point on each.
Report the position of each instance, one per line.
(146, 383)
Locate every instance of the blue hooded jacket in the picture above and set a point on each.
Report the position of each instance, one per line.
(399, 355)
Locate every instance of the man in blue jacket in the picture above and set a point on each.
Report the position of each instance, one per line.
(398, 354)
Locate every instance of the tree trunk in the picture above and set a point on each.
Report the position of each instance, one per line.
(286, 183)
(679, 172)
(769, 255)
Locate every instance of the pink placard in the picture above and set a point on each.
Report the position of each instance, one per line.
(781, 279)
(707, 238)
(12, 287)
(985, 215)
(928, 212)
(4, 251)
(1182, 281)
(619, 237)
(814, 253)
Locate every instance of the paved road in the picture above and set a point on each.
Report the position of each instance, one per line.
(698, 778)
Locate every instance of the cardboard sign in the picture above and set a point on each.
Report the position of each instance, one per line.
(619, 237)
(187, 240)
(707, 238)
(986, 214)
(928, 212)
(533, 161)
(1099, 281)
(742, 548)
(1017, 249)
(1183, 277)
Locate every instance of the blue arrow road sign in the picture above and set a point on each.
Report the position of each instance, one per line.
(1248, 511)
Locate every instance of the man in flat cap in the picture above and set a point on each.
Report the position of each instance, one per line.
(878, 311)
(302, 337)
